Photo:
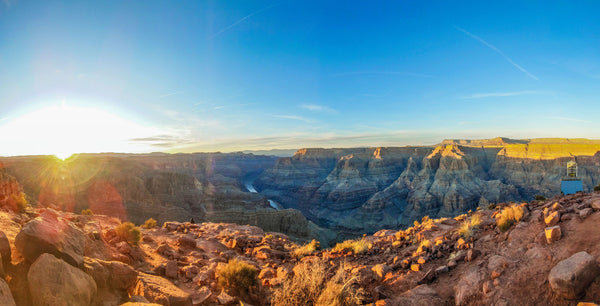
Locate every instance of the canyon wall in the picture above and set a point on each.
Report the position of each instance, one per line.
(362, 190)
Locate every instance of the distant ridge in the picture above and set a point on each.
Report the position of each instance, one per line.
(503, 141)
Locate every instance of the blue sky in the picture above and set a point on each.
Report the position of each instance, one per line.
(231, 75)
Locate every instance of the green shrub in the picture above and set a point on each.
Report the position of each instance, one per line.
(492, 206)
(128, 232)
(87, 212)
(307, 249)
(358, 246)
(540, 197)
(238, 275)
(597, 188)
(150, 223)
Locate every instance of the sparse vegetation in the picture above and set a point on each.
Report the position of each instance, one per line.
(509, 216)
(269, 236)
(128, 232)
(358, 246)
(304, 288)
(238, 275)
(150, 223)
(342, 289)
(468, 227)
(597, 187)
(87, 212)
(492, 206)
(17, 202)
(540, 197)
(307, 249)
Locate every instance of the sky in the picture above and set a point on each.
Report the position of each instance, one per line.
(189, 76)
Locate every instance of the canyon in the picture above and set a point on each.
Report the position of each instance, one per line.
(328, 194)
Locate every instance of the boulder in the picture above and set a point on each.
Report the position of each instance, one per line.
(55, 282)
(171, 269)
(51, 234)
(595, 203)
(570, 277)
(552, 219)
(159, 290)
(5, 249)
(469, 285)
(381, 270)
(6, 297)
(225, 299)
(422, 295)
(497, 264)
(584, 213)
(113, 279)
(553, 234)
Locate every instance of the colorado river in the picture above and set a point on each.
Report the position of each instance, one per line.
(273, 204)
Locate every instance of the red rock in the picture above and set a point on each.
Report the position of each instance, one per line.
(159, 290)
(381, 270)
(570, 277)
(553, 234)
(171, 269)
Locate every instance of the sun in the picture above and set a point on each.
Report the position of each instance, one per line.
(64, 130)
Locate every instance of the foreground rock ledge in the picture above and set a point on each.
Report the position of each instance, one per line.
(55, 282)
(570, 277)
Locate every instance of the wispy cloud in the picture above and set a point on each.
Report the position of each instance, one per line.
(170, 94)
(292, 117)
(401, 73)
(487, 44)
(163, 141)
(318, 108)
(569, 119)
(231, 26)
(505, 94)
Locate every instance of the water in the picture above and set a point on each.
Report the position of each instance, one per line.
(273, 204)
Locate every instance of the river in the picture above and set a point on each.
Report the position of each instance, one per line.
(273, 204)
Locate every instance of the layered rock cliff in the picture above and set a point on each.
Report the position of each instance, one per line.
(178, 187)
(366, 189)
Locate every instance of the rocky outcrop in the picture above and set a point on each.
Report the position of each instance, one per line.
(159, 290)
(366, 189)
(113, 280)
(6, 297)
(570, 277)
(50, 233)
(55, 282)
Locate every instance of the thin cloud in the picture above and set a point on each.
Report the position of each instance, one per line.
(505, 94)
(170, 94)
(318, 108)
(487, 44)
(403, 73)
(569, 119)
(292, 118)
(229, 27)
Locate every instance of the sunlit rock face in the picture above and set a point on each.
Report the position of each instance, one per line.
(365, 189)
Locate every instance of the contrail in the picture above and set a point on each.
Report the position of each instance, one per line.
(227, 28)
(498, 51)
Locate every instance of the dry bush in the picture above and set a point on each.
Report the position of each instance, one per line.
(304, 287)
(307, 249)
(468, 227)
(342, 289)
(128, 232)
(16, 202)
(150, 223)
(238, 275)
(358, 246)
(509, 216)
(87, 212)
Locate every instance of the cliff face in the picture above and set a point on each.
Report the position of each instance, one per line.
(366, 189)
(165, 187)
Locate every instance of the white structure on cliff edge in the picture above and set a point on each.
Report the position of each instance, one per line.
(571, 183)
